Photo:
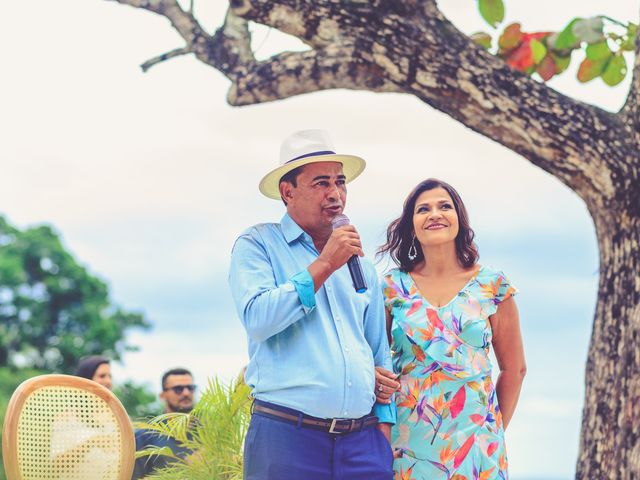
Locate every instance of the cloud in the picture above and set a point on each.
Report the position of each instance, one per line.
(206, 355)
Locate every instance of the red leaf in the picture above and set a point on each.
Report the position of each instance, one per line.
(408, 368)
(418, 352)
(457, 402)
(522, 57)
(511, 37)
(493, 446)
(433, 317)
(527, 37)
(547, 68)
(414, 307)
(462, 452)
(477, 419)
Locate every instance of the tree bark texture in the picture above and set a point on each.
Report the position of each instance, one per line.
(407, 46)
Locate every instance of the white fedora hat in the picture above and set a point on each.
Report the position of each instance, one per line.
(303, 147)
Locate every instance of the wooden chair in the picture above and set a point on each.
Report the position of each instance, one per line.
(61, 427)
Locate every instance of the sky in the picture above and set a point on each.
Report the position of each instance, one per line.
(148, 178)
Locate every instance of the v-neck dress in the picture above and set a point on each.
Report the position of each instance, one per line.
(449, 424)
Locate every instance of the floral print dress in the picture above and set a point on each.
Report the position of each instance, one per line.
(449, 424)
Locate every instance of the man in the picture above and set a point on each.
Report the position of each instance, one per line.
(177, 394)
(313, 341)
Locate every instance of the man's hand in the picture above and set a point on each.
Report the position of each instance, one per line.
(385, 428)
(386, 385)
(343, 243)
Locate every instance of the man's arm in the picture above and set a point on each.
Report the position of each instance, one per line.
(142, 465)
(375, 333)
(264, 307)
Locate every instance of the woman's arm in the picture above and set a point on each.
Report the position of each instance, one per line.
(507, 345)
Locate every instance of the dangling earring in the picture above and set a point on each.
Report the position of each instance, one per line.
(413, 251)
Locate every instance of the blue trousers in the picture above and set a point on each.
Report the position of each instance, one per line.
(277, 450)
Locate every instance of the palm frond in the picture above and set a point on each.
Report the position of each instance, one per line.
(214, 431)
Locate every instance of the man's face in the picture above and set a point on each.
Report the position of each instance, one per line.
(320, 195)
(178, 393)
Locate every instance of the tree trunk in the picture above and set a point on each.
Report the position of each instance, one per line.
(609, 442)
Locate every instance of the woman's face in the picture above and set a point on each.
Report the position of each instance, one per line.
(435, 220)
(103, 375)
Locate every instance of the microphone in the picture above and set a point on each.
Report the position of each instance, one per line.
(355, 267)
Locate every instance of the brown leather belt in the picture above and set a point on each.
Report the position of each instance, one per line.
(331, 425)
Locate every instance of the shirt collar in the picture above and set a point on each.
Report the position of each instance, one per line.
(290, 229)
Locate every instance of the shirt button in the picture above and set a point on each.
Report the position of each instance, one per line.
(345, 413)
(337, 318)
(329, 287)
(346, 349)
(349, 384)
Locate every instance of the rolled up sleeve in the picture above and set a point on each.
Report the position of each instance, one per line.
(264, 307)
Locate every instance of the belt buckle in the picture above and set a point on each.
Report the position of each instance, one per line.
(333, 425)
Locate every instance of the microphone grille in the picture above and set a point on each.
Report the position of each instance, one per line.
(339, 220)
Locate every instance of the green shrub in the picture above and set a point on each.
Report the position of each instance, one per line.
(214, 431)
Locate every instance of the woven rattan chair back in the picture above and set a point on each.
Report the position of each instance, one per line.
(59, 427)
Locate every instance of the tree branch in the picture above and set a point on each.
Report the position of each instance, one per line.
(182, 21)
(574, 141)
(408, 46)
(228, 50)
(412, 48)
(294, 73)
(164, 57)
(553, 131)
(318, 24)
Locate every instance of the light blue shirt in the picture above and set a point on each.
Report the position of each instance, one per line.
(313, 352)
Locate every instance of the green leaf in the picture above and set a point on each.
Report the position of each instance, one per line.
(598, 50)
(511, 37)
(538, 50)
(566, 38)
(482, 38)
(629, 43)
(562, 63)
(616, 71)
(589, 29)
(492, 11)
(590, 69)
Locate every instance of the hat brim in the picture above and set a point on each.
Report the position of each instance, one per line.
(352, 166)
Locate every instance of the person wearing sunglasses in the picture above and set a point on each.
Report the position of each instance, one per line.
(177, 395)
(177, 391)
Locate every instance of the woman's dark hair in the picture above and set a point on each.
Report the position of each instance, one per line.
(400, 231)
(88, 365)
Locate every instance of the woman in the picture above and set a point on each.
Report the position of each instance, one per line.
(444, 313)
(96, 368)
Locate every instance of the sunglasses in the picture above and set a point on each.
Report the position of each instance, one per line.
(178, 389)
